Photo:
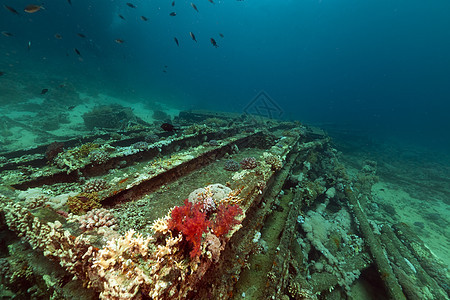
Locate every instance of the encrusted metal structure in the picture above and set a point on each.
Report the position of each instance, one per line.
(92, 217)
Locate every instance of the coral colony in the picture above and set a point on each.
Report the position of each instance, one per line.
(189, 231)
(192, 222)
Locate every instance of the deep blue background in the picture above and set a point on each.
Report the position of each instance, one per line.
(380, 66)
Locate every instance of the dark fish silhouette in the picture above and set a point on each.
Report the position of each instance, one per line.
(168, 127)
(211, 1)
(2, 73)
(173, 14)
(144, 18)
(32, 8)
(173, 3)
(176, 41)
(71, 107)
(81, 35)
(119, 41)
(221, 35)
(11, 9)
(131, 5)
(194, 7)
(6, 33)
(213, 42)
(44, 91)
(77, 51)
(122, 17)
(58, 36)
(193, 36)
(69, 1)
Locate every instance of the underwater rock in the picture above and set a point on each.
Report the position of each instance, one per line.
(160, 115)
(213, 143)
(421, 225)
(151, 138)
(53, 150)
(50, 120)
(140, 145)
(112, 116)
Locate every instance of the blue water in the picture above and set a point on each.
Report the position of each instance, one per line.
(379, 66)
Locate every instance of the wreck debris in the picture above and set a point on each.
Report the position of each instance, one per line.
(291, 215)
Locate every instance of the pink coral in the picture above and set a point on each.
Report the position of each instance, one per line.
(225, 218)
(95, 185)
(209, 205)
(97, 218)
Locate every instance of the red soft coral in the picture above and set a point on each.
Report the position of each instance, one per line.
(191, 222)
(225, 218)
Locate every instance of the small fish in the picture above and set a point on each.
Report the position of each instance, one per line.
(193, 36)
(58, 36)
(77, 51)
(176, 41)
(173, 3)
(71, 107)
(44, 91)
(173, 14)
(168, 127)
(81, 35)
(122, 17)
(211, 1)
(2, 73)
(144, 18)
(213, 42)
(119, 41)
(194, 7)
(11, 9)
(32, 8)
(6, 33)
(29, 45)
(221, 35)
(131, 5)
(69, 1)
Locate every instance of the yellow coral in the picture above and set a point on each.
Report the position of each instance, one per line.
(85, 149)
(83, 202)
(274, 161)
(161, 225)
(118, 258)
(233, 197)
